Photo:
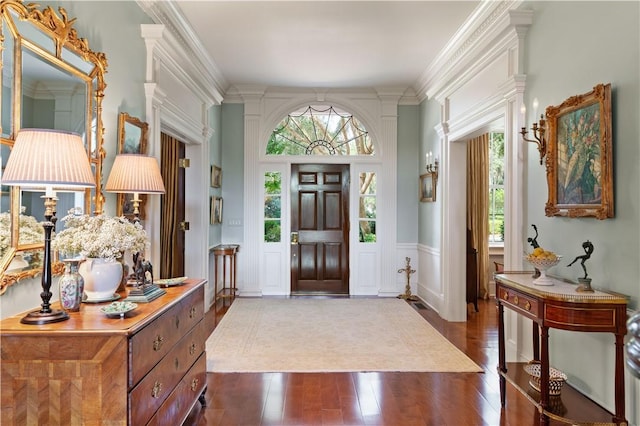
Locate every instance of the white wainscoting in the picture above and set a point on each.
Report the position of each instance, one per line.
(430, 277)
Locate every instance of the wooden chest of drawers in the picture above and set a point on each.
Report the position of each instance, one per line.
(146, 368)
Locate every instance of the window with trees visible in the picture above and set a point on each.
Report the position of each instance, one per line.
(272, 207)
(496, 188)
(367, 211)
(320, 130)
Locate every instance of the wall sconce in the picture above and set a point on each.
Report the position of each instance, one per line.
(539, 132)
(431, 165)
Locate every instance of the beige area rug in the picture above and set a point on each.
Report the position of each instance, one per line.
(329, 335)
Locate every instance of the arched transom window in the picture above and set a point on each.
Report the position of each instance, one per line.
(320, 130)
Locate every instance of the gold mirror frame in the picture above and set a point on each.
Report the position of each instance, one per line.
(50, 38)
(132, 139)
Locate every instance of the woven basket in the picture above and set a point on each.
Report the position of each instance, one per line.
(556, 378)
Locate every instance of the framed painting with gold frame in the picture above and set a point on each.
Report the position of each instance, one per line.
(132, 139)
(427, 187)
(216, 177)
(580, 156)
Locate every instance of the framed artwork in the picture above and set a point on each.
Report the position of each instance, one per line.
(132, 139)
(217, 210)
(216, 177)
(427, 187)
(580, 156)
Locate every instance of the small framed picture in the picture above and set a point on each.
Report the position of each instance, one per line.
(218, 210)
(427, 187)
(216, 177)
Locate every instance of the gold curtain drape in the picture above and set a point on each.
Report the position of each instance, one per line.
(169, 229)
(478, 204)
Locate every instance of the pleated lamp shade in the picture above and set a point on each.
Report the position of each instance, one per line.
(135, 174)
(48, 158)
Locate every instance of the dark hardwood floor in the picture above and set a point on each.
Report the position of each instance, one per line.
(395, 399)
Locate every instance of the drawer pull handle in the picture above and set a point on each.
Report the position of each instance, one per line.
(177, 322)
(516, 300)
(527, 306)
(505, 295)
(177, 363)
(157, 344)
(157, 388)
(194, 384)
(192, 349)
(192, 312)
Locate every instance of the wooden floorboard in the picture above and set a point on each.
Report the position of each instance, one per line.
(387, 398)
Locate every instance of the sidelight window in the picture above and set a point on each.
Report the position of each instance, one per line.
(367, 208)
(272, 207)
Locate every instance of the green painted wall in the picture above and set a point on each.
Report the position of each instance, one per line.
(408, 171)
(429, 214)
(215, 158)
(233, 172)
(571, 47)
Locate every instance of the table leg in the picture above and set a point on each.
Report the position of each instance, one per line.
(502, 365)
(619, 418)
(544, 374)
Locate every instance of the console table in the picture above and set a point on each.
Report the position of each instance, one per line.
(559, 306)
(148, 367)
(226, 253)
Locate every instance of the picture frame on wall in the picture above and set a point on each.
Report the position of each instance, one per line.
(427, 187)
(215, 210)
(212, 209)
(218, 210)
(132, 139)
(580, 156)
(216, 177)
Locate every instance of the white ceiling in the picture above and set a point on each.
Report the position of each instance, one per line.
(325, 44)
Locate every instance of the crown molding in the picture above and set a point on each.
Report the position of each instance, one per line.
(491, 22)
(185, 48)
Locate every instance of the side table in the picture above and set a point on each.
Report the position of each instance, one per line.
(225, 286)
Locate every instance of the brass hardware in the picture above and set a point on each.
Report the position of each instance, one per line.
(194, 384)
(184, 163)
(539, 131)
(527, 306)
(157, 344)
(183, 226)
(505, 295)
(157, 388)
(192, 312)
(294, 238)
(516, 300)
(192, 349)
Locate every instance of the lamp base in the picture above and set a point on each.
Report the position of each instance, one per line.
(145, 293)
(39, 317)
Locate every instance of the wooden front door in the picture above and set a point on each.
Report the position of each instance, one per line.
(320, 229)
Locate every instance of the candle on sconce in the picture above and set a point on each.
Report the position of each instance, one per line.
(535, 108)
(523, 110)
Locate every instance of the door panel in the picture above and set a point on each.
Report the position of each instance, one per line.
(320, 216)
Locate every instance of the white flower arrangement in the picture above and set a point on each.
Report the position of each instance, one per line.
(31, 231)
(99, 237)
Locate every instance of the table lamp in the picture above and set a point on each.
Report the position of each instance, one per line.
(137, 174)
(48, 159)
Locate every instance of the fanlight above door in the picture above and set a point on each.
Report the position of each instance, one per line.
(50, 79)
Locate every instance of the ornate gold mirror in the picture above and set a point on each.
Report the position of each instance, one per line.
(50, 79)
